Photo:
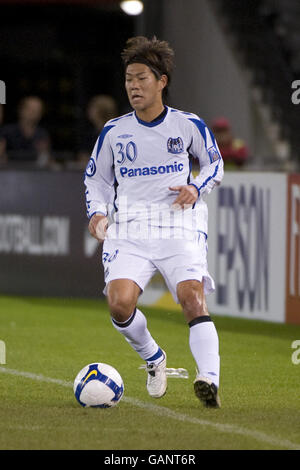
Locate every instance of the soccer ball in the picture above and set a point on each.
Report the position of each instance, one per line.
(98, 385)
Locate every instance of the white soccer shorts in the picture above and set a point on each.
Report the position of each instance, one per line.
(176, 259)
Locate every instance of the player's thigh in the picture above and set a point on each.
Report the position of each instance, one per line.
(127, 270)
(185, 260)
(126, 259)
(122, 297)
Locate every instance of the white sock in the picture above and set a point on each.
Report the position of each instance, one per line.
(138, 336)
(204, 345)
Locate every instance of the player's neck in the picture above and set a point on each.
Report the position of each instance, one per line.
(150, 113)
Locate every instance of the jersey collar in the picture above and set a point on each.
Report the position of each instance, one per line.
(156, 121)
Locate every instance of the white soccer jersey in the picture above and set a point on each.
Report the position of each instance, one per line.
(134, 163)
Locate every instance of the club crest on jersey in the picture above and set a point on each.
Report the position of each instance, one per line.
(91, 168)
(175, 145)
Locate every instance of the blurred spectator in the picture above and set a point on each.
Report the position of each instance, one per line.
(100, 109)
(25, 141)
(233, 150)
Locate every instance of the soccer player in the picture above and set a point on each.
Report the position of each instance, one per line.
(143, 201)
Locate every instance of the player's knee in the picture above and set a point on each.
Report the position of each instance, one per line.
(192, 302)
(194, 306)
(121, 306)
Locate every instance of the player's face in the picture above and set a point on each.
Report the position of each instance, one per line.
(144, 90)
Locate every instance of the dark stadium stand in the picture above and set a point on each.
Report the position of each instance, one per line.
(267, 35)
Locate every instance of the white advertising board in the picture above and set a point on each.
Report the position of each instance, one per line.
(247, 245)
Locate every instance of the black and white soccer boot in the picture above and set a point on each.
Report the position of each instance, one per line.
(207, 392)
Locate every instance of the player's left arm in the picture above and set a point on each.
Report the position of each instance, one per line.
(205, 148)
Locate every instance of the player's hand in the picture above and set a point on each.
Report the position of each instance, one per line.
(188, 195)
(98, 226)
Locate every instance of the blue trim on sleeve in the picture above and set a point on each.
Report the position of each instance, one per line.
(192, 184)
(96, 212)
(102, 135)
(201, 128)
(121, 117)
(210, 177)
(203, 233)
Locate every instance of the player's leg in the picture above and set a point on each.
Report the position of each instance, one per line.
(183, 265)
(122, 296)
(203, 340)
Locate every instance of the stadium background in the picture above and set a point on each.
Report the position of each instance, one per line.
(235, 59)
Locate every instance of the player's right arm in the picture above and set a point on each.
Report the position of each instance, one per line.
(97, 226)
(99, 182)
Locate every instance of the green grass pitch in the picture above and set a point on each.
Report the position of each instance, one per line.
(54, 338)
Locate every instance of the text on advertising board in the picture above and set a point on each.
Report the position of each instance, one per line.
(243, 231)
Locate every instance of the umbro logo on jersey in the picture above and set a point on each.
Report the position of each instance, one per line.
(125, 136)
(175, 145)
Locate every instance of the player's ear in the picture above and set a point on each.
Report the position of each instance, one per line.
(163, 81)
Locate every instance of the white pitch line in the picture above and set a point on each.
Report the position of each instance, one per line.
(168, 413)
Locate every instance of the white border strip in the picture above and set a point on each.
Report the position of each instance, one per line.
(168, 413)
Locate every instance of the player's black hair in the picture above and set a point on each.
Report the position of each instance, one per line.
(156, 54)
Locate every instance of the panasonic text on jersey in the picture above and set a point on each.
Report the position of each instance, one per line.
(153, 170)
